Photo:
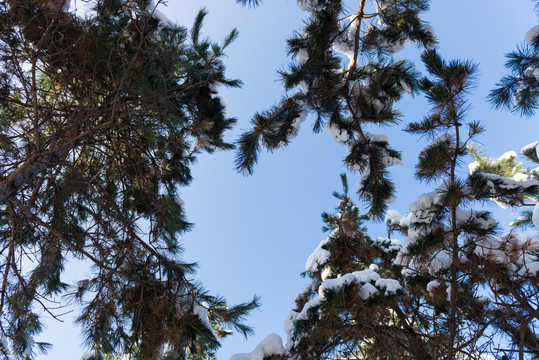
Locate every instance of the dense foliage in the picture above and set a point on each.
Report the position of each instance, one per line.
(455, 286)
(100, 121)
(102, 118)
(519, 90)
(453, 280)
(348, 80)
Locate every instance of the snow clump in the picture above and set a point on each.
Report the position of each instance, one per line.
(532, 34)
(270, 345)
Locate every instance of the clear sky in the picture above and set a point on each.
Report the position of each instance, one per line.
(253, 234)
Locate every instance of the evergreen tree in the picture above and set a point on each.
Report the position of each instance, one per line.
(452, 249)
(419, 299)
(515, 285)
(508, 167)
(519, 91)
(348, 80)
(450, 285)
(350, 308)
(100, 121)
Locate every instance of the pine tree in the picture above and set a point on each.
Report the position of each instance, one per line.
(519, 91)
(351, 308)
(452, 247)
(508, 167)
(442, 230)
(412, 299)
(452, 287)
(349, 82)
(100, 121)
(514, 284)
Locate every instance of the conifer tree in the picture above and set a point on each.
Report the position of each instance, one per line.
(515, 286)
(452, 249)
(345, 77)
(507, 166)
(100, 121)
(449, 286)
(420, 298)
(351, 304)
(519, 90)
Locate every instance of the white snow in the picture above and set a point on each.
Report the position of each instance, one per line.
(441, 260)
(164, 21)
(531, 34)
(422, 209)
(367, 291)
(473, 167)
(216, 94)
(430, 29)
(393, 217)
(340, 136)
(303, 293)
(334, 284)
(303, 315)
(387, 245)
(378, 137)
(530, 269)
(325, 273)
(442, 138)
(382, 4)
(289, 322)
(298, 121)
(431, 286)
(520, 177)
(535, 217)
(307, 5)
(508, 155)
(489, 248)
(302, 56)
(319, 257)
(304, 87)
(508, 183)
(361, 276)
(406, 87)
(343, 48)
(528, 147)
(395, 47)
(87, 354)
(513, 250)
(377, 104)
(202, 312)
(26, 66)
(366, 275)
(304, 5)
(481, 218)
(270, 345)
(390, 285)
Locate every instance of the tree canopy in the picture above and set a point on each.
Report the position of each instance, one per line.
(103, 117)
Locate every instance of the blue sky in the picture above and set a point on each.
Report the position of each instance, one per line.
(253, 234)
